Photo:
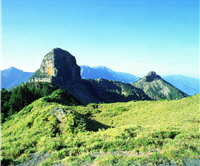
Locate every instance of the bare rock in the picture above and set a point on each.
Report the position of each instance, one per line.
(152, 76)
(58, 67)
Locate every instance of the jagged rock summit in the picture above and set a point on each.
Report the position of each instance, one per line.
(157, 88)
(151, 76)
(58, 67)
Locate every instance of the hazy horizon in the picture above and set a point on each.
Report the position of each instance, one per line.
(118, 71)
(127, 36)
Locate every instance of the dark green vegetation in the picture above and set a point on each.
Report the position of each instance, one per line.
(21, 96)
(36, 74)
(144, 131)
(113, 91)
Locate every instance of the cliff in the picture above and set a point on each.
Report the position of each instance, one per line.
(58, 67)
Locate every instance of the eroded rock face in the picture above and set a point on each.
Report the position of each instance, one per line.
(152, 76)
(58, 67)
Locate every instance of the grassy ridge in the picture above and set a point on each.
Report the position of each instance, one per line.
(147, 131)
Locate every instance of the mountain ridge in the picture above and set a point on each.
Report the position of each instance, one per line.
(189, 85)
(106, 73)
(59, 67)
(157, 88)
(12, 77)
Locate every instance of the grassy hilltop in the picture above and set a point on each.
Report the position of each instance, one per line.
(116, 133)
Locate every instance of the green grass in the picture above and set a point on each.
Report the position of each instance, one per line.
(149, 130)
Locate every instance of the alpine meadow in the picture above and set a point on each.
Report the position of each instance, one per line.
(154, 132)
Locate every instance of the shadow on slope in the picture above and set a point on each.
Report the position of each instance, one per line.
(113, 91)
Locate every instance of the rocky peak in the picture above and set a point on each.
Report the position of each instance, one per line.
(58, 67)
(152, 76)
(156, 88)
(151, 73)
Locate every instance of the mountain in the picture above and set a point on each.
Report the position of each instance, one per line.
(157, 88)
(59, 68)
(102, 90)
(106, 73)
(56, 130)
(188, 85)
(110, 91)
(12, 77)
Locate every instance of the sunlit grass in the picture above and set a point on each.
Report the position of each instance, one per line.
(149, 130)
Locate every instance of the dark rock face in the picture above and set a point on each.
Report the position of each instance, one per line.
(151, 76)
(151, 73)
(58, 67)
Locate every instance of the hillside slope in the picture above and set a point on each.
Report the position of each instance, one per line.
(157, 88)
(102, 90)
(114, 91)
(147, 131)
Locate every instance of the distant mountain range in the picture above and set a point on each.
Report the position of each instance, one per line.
(188, 85)
(106, 73)
(12, 77)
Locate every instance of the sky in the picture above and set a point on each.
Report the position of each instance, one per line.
(132, 36)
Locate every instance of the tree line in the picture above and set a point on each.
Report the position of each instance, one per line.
(21, 96)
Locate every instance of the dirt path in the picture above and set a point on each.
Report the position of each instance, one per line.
(36, 159)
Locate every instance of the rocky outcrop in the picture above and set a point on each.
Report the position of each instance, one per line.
(58, 67)
(152, 76)
(157, 88)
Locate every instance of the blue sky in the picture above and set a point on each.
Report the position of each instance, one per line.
(133, 36)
